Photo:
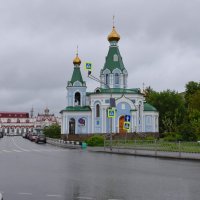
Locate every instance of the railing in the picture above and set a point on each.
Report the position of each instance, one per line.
(153, 146)
(63, 143)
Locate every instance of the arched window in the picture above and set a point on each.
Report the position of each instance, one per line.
(77, 100)
(97, 110)
(116, 78)
(115, 58)
(18, 120)
(72, 125)
(107, 78)
(8, 120)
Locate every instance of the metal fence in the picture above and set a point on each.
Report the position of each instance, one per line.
(63, 143)
(152, 147)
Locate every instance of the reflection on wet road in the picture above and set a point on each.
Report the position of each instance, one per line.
(38, 172)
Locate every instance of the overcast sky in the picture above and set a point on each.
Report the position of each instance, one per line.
(160, 46)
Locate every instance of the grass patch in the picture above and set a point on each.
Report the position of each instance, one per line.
(187, 147)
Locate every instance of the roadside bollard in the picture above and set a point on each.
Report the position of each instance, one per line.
(156, 148)
(179, 148)
(84, 145)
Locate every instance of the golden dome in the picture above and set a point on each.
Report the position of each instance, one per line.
(77, 60)
(113, 36)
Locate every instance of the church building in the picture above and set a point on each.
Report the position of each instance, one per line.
(87, 112)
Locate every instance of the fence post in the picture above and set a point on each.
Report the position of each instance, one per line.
(104, 142)
(135, 146)
(155, 147)
(179, 148)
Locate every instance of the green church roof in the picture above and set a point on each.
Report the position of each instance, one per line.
(110, 63)
(149, 107)
(115, 91)
(77, 108)
(76, 76)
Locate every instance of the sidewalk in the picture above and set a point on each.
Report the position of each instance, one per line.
(146, 153)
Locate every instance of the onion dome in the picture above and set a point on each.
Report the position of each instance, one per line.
(113, 36)
(77, 60)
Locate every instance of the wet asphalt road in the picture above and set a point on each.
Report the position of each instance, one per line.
(29, 171)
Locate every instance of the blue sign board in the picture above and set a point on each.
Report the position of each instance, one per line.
(111, 113)
(127, 118)
(127, 126)
(88, 66)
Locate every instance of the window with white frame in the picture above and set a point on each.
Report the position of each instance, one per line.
(116, 78)
(97, 110)
(115, 58)
(107, 78)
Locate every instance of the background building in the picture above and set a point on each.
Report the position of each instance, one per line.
(16, 122)
(45, 119)
(21, 122)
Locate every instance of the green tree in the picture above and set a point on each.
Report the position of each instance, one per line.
(194, 101)
(171, 107)
(190, 89)
(52, 131)
(190, 129)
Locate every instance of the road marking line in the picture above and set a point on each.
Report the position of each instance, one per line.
(86, 198)
(6, 151)
(24, 193)
(115, 199)
(22, 149)
(26, 150)
(35, 150)
(16, 150)
(54, 195)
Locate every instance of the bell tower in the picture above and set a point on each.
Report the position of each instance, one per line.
(76, 87)
(114, 73)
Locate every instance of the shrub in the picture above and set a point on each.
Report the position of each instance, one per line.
(150, 137)
(52, 131)
(172, 136)
(96, 140)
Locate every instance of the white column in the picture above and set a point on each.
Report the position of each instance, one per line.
(105, 120)
(102, 124)
(88, 124)
(114, 123)
(132, 123)
(154, 123)
(121, 81)
(65, 124)
(92, 119)
(111, 80)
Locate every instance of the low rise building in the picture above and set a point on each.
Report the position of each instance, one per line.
(16, 122)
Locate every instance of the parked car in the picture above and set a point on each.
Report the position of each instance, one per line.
(24, 135)
(32, 136)
(40, 138)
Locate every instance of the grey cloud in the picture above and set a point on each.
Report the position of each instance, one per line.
(159, 45)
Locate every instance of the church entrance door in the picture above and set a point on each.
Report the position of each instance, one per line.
(72, 126)
(121, 124)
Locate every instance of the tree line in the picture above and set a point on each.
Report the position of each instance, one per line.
(179, 113)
